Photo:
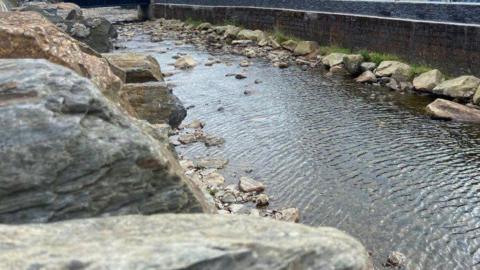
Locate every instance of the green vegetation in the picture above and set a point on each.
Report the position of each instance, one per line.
(193, 22)
(232, 22)
(280, 36)
(377, 57)
(324, 50)
(419, 69)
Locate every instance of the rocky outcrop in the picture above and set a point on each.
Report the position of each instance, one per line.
(289, 45)
(138, 67)
(460, 87)
(255, 35)
(306, 47)
(29, 35)
(449, 110)
(333, 59)
(394, 69)
(179, 242)
(68, 152)
(366, 77)
(352, 63)
(185, 62)
(96, 32)
(154, 102)
(476, 97)
(428, 80)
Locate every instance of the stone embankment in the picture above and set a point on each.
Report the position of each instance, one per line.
(85, 135)
(463, 92)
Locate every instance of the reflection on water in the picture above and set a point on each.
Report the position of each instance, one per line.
(359, 158)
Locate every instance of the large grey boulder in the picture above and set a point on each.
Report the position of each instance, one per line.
(255, 35)
(428, 80)
(138, 67)
(67, 152)
(96, 32)
(187, 242)
(306, 47)
(449, 110)
(333, 59)
(460, 87)
(397, 70)
(154, 102)
(352, 63)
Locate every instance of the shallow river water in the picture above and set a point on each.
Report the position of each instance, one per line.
(363, 159)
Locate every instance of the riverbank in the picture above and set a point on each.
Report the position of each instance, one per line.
(365, 67)
(85, 150)
(342, 151)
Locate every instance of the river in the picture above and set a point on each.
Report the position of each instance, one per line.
(363, 159)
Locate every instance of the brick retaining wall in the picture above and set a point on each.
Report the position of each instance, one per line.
(454, 48)
(450, 12)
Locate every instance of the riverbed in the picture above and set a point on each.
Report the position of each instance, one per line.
(360, 158)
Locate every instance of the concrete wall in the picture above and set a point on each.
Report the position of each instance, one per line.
(452, 12)
(454, 48)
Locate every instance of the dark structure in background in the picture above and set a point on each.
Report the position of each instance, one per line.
(107, 3)
(432, 11)
(452, 47)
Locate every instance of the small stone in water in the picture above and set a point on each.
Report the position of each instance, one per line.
(262, 200)
(396, 259)
(240, 76)
(247, 184)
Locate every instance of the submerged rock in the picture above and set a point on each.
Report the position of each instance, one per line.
(288, 215)
(262, 200)
(428, 80)
(396, 259)
(210, 163)
(397, 70)
(68, 152)
(445, 109)
(247, 184)
(138, 67)
(460, 87)
(154, 102)
(185, 62)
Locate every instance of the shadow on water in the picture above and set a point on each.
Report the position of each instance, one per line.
(360, 158)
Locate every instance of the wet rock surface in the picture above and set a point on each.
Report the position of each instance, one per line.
(154, 102)
(68, 152)
(179, 242)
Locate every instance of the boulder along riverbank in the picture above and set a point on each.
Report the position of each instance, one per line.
(364, 157)
(86, 136)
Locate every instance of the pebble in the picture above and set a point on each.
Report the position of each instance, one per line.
(247, 184)
(240, 76)
(396, 259)
(262, 200)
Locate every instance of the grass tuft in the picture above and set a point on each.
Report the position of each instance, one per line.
(193, 22)
(280, 36)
